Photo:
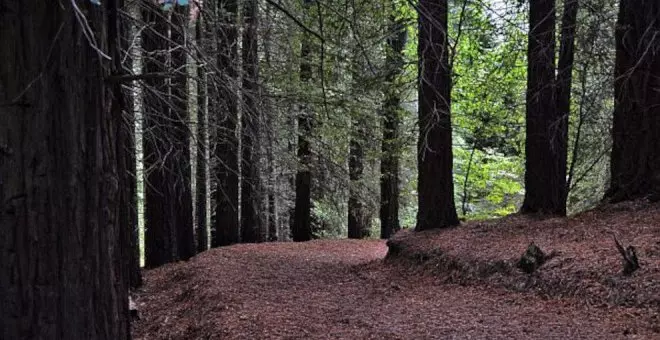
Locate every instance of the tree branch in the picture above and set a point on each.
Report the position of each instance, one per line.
(296, 20)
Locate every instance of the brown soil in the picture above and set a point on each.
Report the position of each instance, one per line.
(342, 289)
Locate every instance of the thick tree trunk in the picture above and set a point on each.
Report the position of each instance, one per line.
(201, 187)
(545, 142)
(226, 229)
(635, 161)
(390, 150)
(565, 81)
(168, 211)
(160, 247)
(358, 221)
(251, 228)
(62, 250)
(435, 184)
(181, 134)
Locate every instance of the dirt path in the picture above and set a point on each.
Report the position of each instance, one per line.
(341, 290)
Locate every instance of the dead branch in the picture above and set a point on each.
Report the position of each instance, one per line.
(630, 262)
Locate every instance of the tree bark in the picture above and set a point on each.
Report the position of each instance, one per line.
(201, 184)
(302, 228)
(251, 228)
(635, 160)
(127, 167)
(545, 142)
(389, 163)
(158, 237)
(181, 134)
(226, 228)
(62, 249)
(435, 184)
(565, 82)
(127, 161)
(168, 209)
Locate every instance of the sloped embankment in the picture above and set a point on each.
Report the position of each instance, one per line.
(585, 264)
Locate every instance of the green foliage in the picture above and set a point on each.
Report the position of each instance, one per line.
(488, 101)
(329, 220)
(488, 42)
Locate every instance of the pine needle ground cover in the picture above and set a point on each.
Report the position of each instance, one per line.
(463, 280)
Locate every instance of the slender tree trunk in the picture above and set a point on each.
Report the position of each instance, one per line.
(62, 247)
(292, 148)
(226, 230)
(269, 134)
(302, 228)
(546, 140)
(435, 184)
(389, 163)
(127, 163)
(565, 82)
(466, 194)
(250, 120)
(201, 188)
(358, 222)
(635, 160)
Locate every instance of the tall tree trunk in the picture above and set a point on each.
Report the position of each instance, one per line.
(168, 213)
(127, 162)
(302, 219)
(358, 221)
(270, 116)
(390, 150)
(62, 247)
(201, 188)
(545, 142)
(226, 228)
(635, 161)
(565, 82)
(181, 133)
(159, 242)
(251, 228)
(435, 184)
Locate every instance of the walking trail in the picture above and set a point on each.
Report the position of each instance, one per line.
(342, 289)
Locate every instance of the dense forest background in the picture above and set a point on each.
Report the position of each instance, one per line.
(331, 93)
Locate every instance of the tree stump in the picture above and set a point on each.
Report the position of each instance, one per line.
(532, 259)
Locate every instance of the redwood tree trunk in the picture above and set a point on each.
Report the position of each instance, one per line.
(635, 161)
(302, 228)
(181, 163)
(435, 186)
(62, 274)
(168, 209)
(251, 226)
(226, 229)
(545, 142)
(389, 162)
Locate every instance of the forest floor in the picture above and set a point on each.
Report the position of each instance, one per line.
(458, 283)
